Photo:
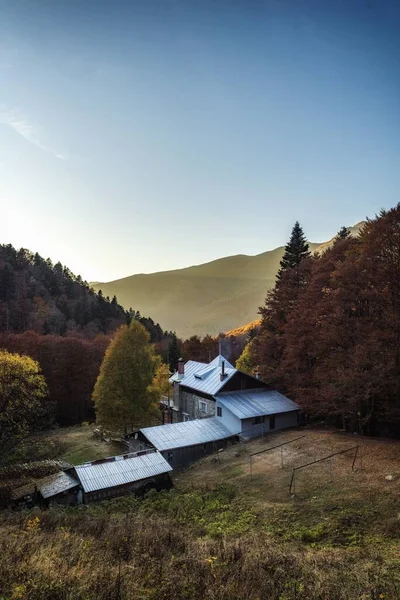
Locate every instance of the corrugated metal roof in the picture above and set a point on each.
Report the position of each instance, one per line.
(189, 433)
(255, 403)
(121, 471)
(55, 484)
(205, 377)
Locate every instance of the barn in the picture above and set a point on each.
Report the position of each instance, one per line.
(183, 443)
(120, 475)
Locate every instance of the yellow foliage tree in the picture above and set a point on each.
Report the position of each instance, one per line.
(24, 405)
(245, 362)
(123, 394)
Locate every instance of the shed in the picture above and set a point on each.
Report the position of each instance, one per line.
(59, 488)
(249, 412)
(183, 443)
(119, 475)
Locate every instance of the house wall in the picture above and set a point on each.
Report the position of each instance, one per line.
(230, 420)
(249, 429)
(285, 420)
(189, 403)
(242, 381)
(181, 457)
(282, 421)
(158, 482)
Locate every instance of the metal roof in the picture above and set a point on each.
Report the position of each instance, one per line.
(188, 433)
(205, 377)
(255, 403)
(120, 471)
(56, 484)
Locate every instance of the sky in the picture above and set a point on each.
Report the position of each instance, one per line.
(146, 135)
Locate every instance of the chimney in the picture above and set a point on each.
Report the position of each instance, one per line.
(222, 376)
(181, 369)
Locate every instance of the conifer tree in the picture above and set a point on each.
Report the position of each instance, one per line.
(295, 250)
(343, 233)
(173, 353)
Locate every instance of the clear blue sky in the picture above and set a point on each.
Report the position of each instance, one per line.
(144, 135)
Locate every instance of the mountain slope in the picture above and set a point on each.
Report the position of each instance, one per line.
(208, 298)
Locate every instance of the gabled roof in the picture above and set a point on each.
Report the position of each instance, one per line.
(205, 377)
(188, 433)
(120, 470)
(256, 403)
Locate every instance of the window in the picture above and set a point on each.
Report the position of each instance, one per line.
(203, 407)
(185, 417)
(170, 455)
(272, 422)
(258, 420)
(219, 411)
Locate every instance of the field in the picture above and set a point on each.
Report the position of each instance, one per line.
(74, 445)
(223, 533)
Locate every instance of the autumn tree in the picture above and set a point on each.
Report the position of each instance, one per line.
(160, 383)
(123, 395)
(24, 405)
(245, 362)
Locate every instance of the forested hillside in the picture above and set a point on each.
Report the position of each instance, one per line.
(330, 330)
(50, 314)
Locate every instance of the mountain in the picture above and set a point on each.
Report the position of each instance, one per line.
(209, 298)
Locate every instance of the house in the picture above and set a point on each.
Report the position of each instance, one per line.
(242, 403)
(195, 385)
(120, 475)
(183, 443)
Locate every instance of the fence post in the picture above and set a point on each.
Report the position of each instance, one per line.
(281, 457)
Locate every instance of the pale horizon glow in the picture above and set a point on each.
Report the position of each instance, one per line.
(139, 137)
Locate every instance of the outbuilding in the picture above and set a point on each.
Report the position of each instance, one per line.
(183, 443)
(251, 412)
(120, 475)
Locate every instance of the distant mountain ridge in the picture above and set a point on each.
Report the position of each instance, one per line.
(209, 298)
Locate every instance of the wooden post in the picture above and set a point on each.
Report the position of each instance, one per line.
(251, 466)
(281, 457)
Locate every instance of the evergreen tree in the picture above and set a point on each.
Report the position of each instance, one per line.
(295, 250)
(343, 233)
(123, 396)
(173, 353)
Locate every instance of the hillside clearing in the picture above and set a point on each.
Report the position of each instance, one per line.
(74, 445)
(224, 534)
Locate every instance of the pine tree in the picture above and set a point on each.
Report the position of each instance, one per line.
(295, 250)
(173, 354)
(343, 233)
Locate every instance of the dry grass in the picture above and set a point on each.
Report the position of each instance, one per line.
(75, 445)
(222, 534)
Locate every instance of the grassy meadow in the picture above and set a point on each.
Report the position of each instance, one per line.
(223, 533)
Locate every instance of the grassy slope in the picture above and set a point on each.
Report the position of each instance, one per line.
(209, 298)
(222, 534)
(75, 445)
